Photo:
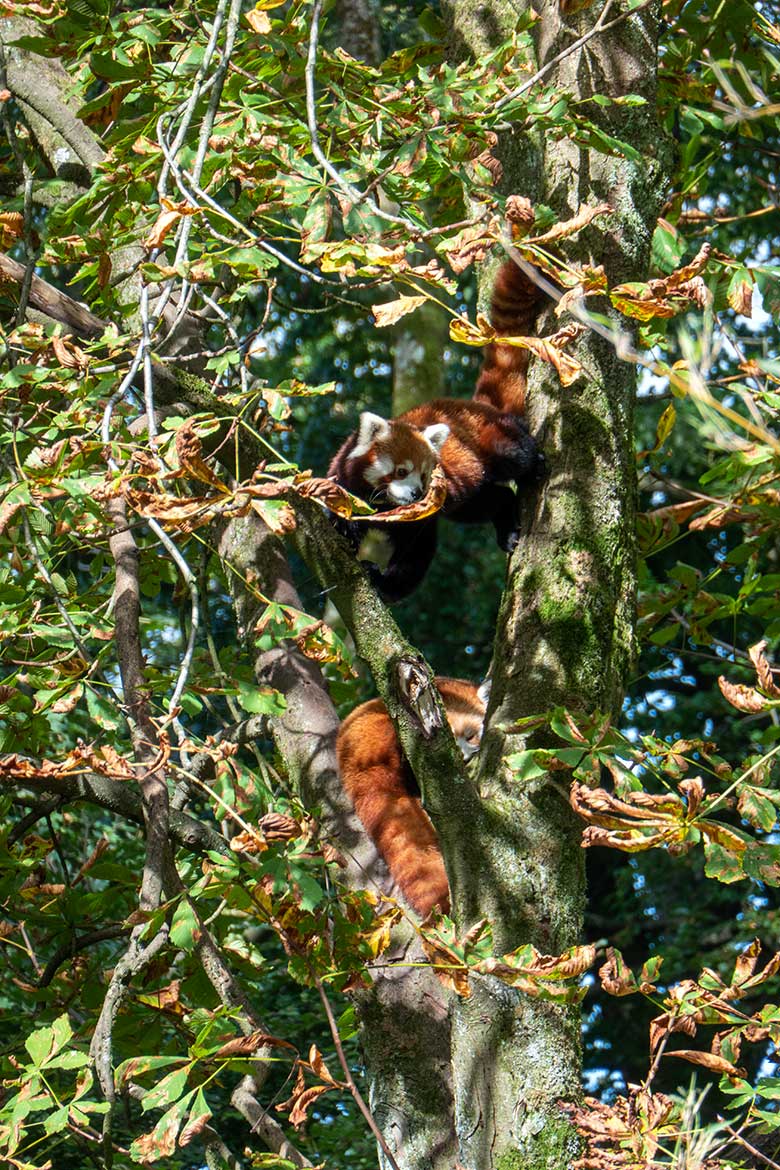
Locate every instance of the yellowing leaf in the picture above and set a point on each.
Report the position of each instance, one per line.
(392, 311)
(461, 329)
(258, 22)
(665, 426)
(740, 292)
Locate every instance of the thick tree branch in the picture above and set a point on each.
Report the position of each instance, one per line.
(55, 304)
(41, 86)
(118, 797)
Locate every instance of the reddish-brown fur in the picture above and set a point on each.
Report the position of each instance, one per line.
(488, 446)
(377, 777)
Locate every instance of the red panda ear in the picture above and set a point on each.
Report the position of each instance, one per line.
(436, 435)
(370, 428)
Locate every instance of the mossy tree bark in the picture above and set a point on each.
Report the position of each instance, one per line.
(566, 627)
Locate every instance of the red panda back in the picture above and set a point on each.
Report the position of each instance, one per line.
(380, 783)
(513, 309)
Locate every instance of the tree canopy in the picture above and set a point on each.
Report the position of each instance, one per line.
(226, 231)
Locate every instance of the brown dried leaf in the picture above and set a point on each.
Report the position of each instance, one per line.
(319, 1067)
(195, 1125)
(302, 1099)
(247, 844)
(259, 22)
(740, 297)
(11, 228)
(165, 999)
(694, 792)
(337, 499)
(68, 354)
(68, 701)
(616, 978)
(184, 513)
(683, 275)
(448, 967)
(707, 1060)
(280, 519)
(93, 859)
(561, 231)
(677, 512)
(763, 669)
(189, 451)
(8, 511)
(471, 244)
(743, 698)
(546, 348)
(519, 212)
(430, 503)
(627, 840)
(247, 1045)
(278, 827)
(166, 220)
(717, 517)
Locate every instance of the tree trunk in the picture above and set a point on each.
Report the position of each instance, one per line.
(565, 631)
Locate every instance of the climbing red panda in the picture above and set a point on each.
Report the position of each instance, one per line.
(377, 777)
(481, 443)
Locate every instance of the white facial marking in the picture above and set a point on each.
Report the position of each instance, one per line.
(378, 469)
(468, 747)
(406, 490)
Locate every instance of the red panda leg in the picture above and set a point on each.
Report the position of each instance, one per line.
(494, 502)
(410, 550)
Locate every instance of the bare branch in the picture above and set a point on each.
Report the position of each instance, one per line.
(77, 943)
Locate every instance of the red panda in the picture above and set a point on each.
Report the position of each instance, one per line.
(382, 787)
(481, 443)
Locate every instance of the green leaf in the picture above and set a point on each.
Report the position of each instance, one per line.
(721, 864)
(184, 927)
(259, 700)
(168, 1090)
(56, 1121)
(103, 711)
(40, 1044)
(524, 765)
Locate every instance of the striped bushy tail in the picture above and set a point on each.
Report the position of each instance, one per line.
(513, 309)
(379, 781)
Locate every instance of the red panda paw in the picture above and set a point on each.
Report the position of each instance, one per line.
(508, 541)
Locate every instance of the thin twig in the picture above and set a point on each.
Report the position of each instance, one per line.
(78, 943)
(751, 1149)
(598, 27)
(334, 1031)
(355, 196)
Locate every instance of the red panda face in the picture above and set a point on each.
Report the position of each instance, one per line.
(397, 459)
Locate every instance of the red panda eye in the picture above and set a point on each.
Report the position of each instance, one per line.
(401, 473)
